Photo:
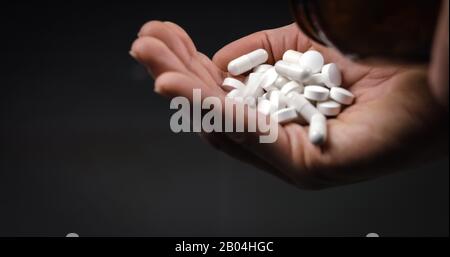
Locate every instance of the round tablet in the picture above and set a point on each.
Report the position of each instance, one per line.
(312, 60)
(231, 83)
(332, 75)
(341, 95)
(262, 68)
(285, 115)
(329, 108)
(316, 93)
(291, 87)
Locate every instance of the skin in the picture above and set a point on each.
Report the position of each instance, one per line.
(394, 123)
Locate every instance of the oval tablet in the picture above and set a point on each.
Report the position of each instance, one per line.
(332, 75)
(231, 83)
(292, 71)
(341, 95)
(312, 60)
(316, 93)
(247, 62)
(329, 108)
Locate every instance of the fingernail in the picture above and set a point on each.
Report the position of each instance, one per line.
(133, 54)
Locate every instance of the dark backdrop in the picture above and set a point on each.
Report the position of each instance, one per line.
(86, 145)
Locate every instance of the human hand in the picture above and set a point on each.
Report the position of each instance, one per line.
(393, 122)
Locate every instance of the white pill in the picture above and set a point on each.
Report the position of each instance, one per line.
(286, 115)
(252, 87)
(269, 78)
(231, 83)
(329, 108)
(291, 87)
(268, 93)
(316, 93)
(316, 120)
(233, 93)
(341, 95)
(331, 75)
(292, 56)
(292, 71)
(265, 107)
(250, 101)
(302, 105)
(281, 81)
(312, 60)
(318, 129)
(262, 68)
(278, 100)
(315, 79)
(247, 62)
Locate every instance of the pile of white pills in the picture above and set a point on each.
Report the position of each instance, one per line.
(299, 87)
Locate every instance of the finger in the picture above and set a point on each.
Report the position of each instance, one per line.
(215, 73)
(183, 35)
(166, 34)
(173, 84)
(161, 31)
(156, 56)
(275, 42)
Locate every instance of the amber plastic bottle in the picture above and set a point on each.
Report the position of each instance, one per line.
(392, 30)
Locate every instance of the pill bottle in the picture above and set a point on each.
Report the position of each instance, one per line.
(371, 30)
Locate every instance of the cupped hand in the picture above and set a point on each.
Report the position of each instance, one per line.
(394, 122)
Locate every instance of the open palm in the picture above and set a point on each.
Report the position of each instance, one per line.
(385, 128)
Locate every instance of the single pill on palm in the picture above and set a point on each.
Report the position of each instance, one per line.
(341, 95)
(292, 56)
(231, 83)
(316, 93)
(262, 68)
(269, 78)
(318, 129)
(312, 60)
(317, 121)
(329, 108)
(291, 87)
(292, 71)
(247, 62)
(265, 107)
(281, 81)
(285, 115)
(331, 75)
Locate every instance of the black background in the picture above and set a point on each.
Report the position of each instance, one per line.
(86, 145)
